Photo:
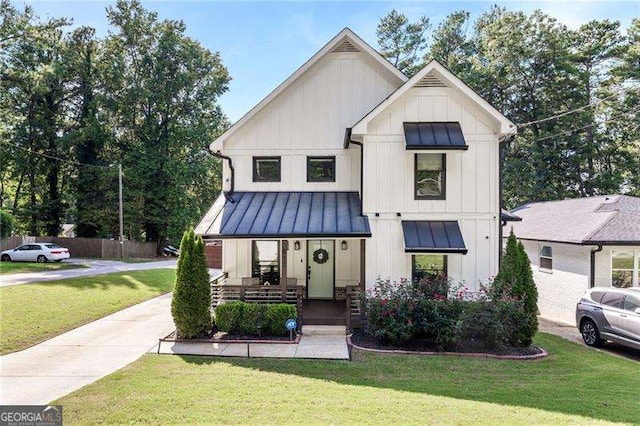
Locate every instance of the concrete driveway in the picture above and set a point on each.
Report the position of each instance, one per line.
(54, 368)
(96, 267)
(570, 332)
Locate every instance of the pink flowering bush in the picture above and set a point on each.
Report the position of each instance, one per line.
(448, 316)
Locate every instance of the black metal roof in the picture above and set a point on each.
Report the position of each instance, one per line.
(293, 214)
(506, 216)
(434, 136)
(427, 236)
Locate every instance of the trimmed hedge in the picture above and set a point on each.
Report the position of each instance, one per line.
(254, 319)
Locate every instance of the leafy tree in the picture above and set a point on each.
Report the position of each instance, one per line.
(402, 42)
(161, 88)
(451, 45)
(7, 224)
(191, 303)
(515, 280)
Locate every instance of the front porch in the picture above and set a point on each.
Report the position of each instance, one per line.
(310, 312)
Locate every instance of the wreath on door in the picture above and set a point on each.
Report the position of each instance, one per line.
(320, 256)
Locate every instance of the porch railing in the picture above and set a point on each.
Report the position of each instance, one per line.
(352, 305)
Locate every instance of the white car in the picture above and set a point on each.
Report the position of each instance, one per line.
(35, 252)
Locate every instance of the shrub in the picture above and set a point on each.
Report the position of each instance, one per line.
(191, 303)
(276, 316)
(254, 319)
(515, 280)
(488, 325)
(228, 316)
(7, 224)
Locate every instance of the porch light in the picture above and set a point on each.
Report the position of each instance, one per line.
(343, 245)
(296, 245)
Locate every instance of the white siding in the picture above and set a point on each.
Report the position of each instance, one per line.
(560, 289)
(386, 258)
(603, 263)
(471, 187)
(236, 261)
(309, 118)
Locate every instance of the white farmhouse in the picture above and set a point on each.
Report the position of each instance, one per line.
(349, 171)
(577, 244)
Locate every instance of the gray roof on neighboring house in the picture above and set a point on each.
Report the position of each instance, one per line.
(608, 220)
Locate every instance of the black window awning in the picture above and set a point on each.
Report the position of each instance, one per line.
(286, 215)
(426, 236)
(434, 136)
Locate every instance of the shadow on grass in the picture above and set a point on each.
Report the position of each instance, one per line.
(572, 380)
(159, 279)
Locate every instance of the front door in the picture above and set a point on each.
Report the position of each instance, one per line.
(320, 268)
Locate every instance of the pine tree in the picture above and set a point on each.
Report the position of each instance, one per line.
(191, 302)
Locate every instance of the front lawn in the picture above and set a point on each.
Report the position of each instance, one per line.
(574, 385)
(32, 313)
(19, 267)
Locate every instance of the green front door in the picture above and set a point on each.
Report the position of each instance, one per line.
(320, 269)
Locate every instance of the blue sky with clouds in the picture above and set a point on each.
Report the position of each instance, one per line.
(262, 43)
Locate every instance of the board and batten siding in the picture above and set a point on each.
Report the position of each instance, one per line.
(309, 118)
(471, 186)
(236, 257)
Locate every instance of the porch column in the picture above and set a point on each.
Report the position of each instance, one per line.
(283, 270)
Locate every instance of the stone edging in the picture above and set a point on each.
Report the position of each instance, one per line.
(280, 342)
(541, 355)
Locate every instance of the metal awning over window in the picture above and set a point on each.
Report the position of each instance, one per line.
(286, 215)
(428, 236)
(434, 136)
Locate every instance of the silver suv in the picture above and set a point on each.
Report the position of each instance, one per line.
(608, 313)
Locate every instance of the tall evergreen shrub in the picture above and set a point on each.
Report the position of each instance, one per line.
(191, 303)
(515, 280)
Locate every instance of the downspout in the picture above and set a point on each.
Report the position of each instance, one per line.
(349, 142)
(217, 154)
(592, 279)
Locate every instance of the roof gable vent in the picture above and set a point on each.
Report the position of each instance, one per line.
(345, 46)
(430, 80)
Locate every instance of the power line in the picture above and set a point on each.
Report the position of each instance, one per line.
(42, 154)
(589, 105)
(577, 129)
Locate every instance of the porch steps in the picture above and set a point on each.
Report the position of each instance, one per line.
(324, 330)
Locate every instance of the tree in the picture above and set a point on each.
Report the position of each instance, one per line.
(7, 224)
(451, 45)
(161, 88)
(191, 303)
(515, 280)
(402, 42)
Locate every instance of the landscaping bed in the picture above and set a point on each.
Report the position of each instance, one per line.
(224, 337)
(428, 346)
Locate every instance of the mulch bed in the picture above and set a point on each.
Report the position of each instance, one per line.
(364, 341)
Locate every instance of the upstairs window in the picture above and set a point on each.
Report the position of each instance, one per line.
(546, 258)
(266, 169)
(321, 169)
(430, 176)
(428, 266)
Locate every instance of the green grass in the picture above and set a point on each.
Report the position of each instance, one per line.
(19, 267)
(32, 313)
(574, 385)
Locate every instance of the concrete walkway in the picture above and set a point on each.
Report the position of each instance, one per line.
(54, 368)
(96, 267)
(310, 347)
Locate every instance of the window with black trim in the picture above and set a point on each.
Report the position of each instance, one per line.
(266, 169)
(265, 261)
(430, 174)
(428, 266)
(321, 169)
(546, 258)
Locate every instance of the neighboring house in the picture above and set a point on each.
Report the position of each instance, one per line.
(349, 171)
(579, 243)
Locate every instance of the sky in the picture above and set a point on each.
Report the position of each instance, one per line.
(262, 43)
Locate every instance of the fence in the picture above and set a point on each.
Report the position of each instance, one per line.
(90, 247)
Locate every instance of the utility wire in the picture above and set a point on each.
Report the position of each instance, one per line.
(589, 105)
(42, 154)
(577, 129)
